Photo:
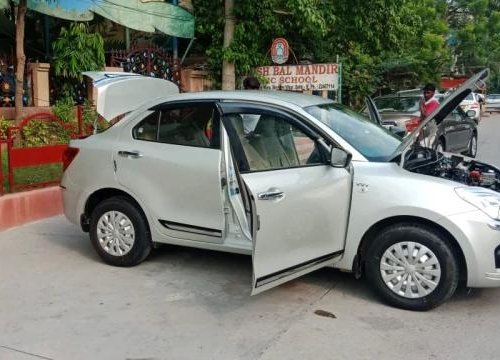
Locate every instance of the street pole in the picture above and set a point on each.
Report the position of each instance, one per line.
(339, 90)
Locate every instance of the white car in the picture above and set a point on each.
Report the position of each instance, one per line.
(493, 102)
(472, 103)
(310, 184)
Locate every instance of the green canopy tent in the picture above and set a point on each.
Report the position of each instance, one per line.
(141, 15)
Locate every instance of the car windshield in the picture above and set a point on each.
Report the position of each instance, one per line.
(373, 141)
(397, 104)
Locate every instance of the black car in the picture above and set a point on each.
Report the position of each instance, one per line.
(456, 133)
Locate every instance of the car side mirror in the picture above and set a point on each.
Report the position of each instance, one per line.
(470, 114)
(340, 158)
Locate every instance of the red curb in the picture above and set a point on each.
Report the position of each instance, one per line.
(24, 207)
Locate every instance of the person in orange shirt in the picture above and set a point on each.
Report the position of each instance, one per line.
(429, 102)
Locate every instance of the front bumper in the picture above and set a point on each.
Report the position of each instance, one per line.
(479, 237)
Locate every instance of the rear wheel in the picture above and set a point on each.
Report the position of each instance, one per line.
(119, 232)
(412, 267)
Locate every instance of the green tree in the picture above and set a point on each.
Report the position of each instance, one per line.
(21, 8)
(255, 25)
(475, 31)
(77, 50)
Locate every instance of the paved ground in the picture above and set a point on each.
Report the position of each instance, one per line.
(489, 138)
(59, 301)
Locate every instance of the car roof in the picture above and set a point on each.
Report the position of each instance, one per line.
(399, 96)
(298, 99)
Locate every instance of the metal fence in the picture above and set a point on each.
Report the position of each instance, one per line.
(21, 156)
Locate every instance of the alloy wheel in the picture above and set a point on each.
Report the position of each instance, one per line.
(410, 269)
(115, 233)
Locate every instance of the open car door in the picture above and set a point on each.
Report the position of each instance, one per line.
(377, 119)
(299, 202)
(373, 111)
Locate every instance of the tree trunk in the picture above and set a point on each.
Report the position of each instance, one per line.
(186, 4)
(228, 73)
(20, 57)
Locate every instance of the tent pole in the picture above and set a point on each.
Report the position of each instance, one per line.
(175, 45)
(127, 38)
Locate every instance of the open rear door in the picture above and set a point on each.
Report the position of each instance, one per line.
(117, 93)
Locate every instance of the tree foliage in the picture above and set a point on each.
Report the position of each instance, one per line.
(475, 35)
(77, 50)
(373, 39)
(382, 44)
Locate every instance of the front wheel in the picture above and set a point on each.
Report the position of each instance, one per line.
(119, 232)
(472, 148)
(412, 267)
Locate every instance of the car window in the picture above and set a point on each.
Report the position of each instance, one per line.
(190, 125)
(397, 104)
(469, 97)
(372, 140)
(274, 143)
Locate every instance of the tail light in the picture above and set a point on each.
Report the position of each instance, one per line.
(68, 156)
(474, 106)
(412, 124)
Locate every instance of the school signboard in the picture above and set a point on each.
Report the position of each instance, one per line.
(301, 77)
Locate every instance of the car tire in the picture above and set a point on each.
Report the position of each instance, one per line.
(472, 147)
(400, 278)
(119, 232)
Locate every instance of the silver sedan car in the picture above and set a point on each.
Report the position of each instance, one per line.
(298, 182)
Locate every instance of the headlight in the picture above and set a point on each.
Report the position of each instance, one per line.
(488, 201)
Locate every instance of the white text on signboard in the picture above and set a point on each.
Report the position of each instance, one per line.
(301, 77)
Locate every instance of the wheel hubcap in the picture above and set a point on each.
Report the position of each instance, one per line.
(116, 233)
(410, 269)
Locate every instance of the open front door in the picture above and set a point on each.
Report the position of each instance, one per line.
(373, 111)
(300, 203)
(301, 219)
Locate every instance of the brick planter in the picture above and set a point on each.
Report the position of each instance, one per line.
(24, 207)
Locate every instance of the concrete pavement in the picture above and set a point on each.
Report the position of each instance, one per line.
(59, 301)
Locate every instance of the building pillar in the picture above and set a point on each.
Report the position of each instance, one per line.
(40, 83)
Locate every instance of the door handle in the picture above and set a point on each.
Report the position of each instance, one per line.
(271, 194)
(130, 154)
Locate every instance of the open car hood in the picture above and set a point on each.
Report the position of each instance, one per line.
(118, 93)
(446, 107)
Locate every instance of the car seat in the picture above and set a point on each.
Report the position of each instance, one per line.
(273, 140)
(255, 161)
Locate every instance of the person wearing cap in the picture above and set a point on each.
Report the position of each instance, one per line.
(429, 103)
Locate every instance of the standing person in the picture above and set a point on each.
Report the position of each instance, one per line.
(429, 103)
(251, 83)
(250, 120)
